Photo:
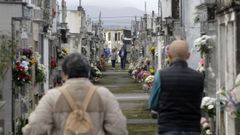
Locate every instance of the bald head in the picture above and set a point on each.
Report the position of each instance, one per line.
(179, 50)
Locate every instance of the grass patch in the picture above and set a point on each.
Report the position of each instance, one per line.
(137, 114)
(121, 85)
(129, 88)
(142, 129)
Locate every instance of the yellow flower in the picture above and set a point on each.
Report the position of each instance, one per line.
(33, 61)
(152, 71)
(152, 50)
(65, 50)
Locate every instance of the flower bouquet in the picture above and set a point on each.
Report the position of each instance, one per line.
(152, 71)
(130, 69)
(152, 50)
(134, 73)
(40, 73)
(27, 52)
(201, 66)
(203, 44)
(149, 82)
(61, 53)
(208, 105)
(53, 63)
(21, 73)
(205, 125)
(96, 74)
(231, 99)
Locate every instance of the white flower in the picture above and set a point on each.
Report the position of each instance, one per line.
(37, 56)
(43, 68)
(25, 65)
(149, 79)
(210, 107)
(207, 101)
(204, 40)
(205, 125)
(208, 132)
(131, 67)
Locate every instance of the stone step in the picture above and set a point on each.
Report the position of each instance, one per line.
(132, 96)
(142, 121)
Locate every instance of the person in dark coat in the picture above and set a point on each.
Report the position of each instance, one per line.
(123, 55)
(179, 94)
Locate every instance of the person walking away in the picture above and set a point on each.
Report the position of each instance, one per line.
(107, 53)
(114, 58)
(178, 94)
(61, 109)
(123, 56)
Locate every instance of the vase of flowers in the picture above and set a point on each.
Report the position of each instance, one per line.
(61, 53)
(204, 44)
(21, 74)
(40, 73)
(53, 63)
(208, 106)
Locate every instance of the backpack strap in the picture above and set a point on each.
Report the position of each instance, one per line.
(88, 97)
(69, 98)
(86, 100)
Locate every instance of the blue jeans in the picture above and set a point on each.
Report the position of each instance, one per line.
(179, 133)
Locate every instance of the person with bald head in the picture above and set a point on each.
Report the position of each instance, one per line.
(178, 92)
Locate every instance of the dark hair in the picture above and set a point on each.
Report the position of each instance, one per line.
(76, 66)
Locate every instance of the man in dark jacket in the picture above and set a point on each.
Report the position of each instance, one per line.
(180, 94)
(123, 55)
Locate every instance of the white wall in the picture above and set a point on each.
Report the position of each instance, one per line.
(166, 8)
(192, 30)
(73, 21)
(112, 43)
(7, 11)
(227, 62)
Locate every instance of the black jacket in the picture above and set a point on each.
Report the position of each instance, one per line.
(180, 98)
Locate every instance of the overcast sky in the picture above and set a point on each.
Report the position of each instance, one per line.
(151, 4)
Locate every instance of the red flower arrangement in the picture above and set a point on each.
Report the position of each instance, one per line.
(53, 63)
(21, 75)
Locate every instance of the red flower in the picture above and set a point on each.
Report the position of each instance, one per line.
(53, 63)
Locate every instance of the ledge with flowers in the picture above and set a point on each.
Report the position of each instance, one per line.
(204, 45)
(27, 72)
(142, 73)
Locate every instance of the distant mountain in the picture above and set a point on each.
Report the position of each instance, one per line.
(113, 17)
(93, 11)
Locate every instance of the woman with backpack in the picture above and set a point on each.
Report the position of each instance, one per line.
(114, 56)
(78, 107)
